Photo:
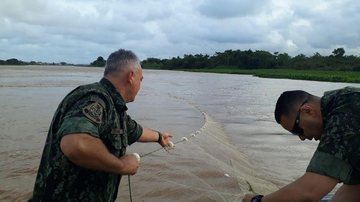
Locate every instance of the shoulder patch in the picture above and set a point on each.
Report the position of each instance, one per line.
(94, 112)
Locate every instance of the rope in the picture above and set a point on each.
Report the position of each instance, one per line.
(165, 148)
(129, 188)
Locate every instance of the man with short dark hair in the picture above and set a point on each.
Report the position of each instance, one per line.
(85, 151)
(334, 120)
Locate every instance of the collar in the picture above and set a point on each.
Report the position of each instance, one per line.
(115, 95)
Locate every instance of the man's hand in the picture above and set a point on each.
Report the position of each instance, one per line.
(248, 197)
(165, 139)
(130, 163)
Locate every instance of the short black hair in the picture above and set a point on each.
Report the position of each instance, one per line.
(287, 102)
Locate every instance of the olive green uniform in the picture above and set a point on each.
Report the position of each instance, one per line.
(98, 110)
(338, 153)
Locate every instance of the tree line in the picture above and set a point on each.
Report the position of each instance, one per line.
(99, 62)
(258, 59)
(237, 59)
(14, 61)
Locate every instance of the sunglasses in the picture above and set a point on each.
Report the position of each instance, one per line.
(296, 129)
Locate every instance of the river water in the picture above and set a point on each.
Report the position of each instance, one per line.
(233, 145)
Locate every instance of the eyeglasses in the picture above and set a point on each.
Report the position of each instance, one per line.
(296, 129)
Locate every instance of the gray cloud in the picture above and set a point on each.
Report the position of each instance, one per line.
(232, 8)
(78, 31)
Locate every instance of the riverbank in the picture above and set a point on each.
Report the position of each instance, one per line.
(312, 75)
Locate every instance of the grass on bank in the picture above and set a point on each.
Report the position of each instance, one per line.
(314, 75)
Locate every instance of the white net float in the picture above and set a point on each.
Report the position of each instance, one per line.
(137, 156)
(170, 145)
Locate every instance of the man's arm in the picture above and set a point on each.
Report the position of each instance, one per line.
(89, 152)
(149, 135)
(310, 187)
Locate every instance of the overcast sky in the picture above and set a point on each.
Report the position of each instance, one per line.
(78, 31)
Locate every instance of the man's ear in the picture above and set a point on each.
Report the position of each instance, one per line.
(130, 77)
(309, 109)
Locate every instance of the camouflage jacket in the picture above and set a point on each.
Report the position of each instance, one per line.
(98, 110)
(338, 153)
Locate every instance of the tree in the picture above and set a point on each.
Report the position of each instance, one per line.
(283, 60)
(338, 52)
(99, 62)
(14, 61)
(152, 63)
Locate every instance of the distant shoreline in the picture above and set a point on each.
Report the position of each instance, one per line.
(312, 75)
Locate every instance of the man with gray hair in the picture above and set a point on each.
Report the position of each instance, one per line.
(85, 151)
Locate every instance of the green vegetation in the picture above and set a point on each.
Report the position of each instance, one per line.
(336, 67)
(99, 62)
(259, 59)
(14, 61)
(314, 75)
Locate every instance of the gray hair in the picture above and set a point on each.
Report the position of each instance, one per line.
(120, 60)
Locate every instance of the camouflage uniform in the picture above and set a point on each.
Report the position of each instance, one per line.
(338, 153)
(98, 110)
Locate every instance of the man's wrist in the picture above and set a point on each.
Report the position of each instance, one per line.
(257, 198)
(160, 137)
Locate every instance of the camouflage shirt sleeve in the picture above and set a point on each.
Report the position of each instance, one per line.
(338, 153)
(85, 116)
(134, 130)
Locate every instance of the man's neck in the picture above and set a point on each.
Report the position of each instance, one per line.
(119, 86)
